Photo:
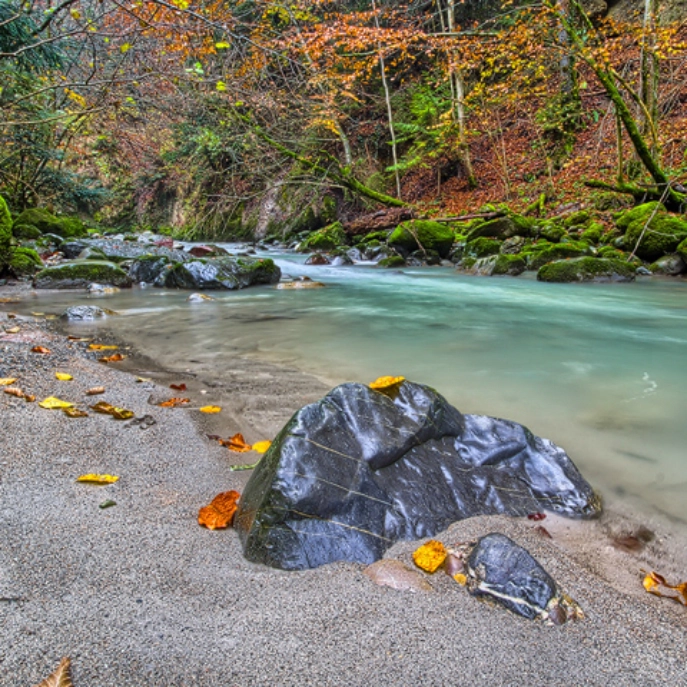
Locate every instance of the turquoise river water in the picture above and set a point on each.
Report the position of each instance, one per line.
(599, 369)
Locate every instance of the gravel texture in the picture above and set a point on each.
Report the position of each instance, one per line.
(139, 594)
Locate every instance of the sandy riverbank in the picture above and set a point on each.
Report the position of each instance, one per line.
(138, 594)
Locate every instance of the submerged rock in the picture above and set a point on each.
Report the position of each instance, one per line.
(80, 313)
(353, 473)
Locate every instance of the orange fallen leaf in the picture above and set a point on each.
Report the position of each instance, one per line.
(29, 398)
(386, 382)
(174, 402)
(93, 478)
(14, 391)
(430, 556)
(95, 390)
(114, 358)
(60, 677)
(116, 412)
(220, 512)
(6, 381)
(102, 347)
(653, 582)
(262, 446)
(178, 387)
(40, 349)
(75, 412)
(236, 443)
(210, 409)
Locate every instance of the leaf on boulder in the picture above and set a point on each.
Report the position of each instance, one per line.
(53, 403)
(95, 390)
(116, 412)
(174, 402)
(40, 349)
(656, 584)
(93, 478)
(389, 572)
(61, 677)
(102, 347)
(219, 514)
(114, 358)
(386, 382)
(75, 412)
(210, 409)
(262, 446)
(430, 556)
(6, 381)
(63, 376)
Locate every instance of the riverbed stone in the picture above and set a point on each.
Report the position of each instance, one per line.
(499, 265)
(587, 269)
(227, 272)
(361, 469)
(669, 265)
(79, 274)
(422, 234)
(325, 239)
(83, 313)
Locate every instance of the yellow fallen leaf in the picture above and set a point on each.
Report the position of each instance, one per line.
(386, 382)
(210, 409)
(140, 380)
(6, 381)
(60, 677)
(102, 347)
(261, 446)
(430, 556)
(116, 412)
(657, 584)
(13, 330)
(75, 412)
(63, 376)
(93, 478)
(461, 579)
(52, 403)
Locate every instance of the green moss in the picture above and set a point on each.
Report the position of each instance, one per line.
(499, 228)
(26, 232)
(416, 233)
(552, 232)
(525, 226)
(79, 274)
(5, 224)
(586, 269)
(392, 261)
(593, 233)
(24, 262)
(640, 212)
(509, 264)
(576, 219)
(481, 247)
(47, 223)
(662, 236)
(681, 250)
(324, 239)
(555, 251)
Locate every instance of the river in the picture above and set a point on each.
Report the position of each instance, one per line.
(598, 368)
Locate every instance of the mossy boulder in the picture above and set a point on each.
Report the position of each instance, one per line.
(47, 223)
(26, 232)
(24, 262)
(681, 250)
(5, 225)
(639, 212)
(555, 251)
(147, 268)
(586, 269)
(392, 261)
(225, 272)
(481, 247)
(669, 265)
(593, 233)
(552, 232)
(80, 274)
(325, 239)
(497, 265)
(498, 228)
(576, 219)
(655, 236)
(422, 234)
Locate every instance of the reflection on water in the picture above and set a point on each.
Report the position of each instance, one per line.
(600, 369)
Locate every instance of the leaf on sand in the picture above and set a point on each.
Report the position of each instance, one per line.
(430, 556)
(95, 390)
(102, 347)
(392, 573)
(29, 398)
(220, 512)
(6, 381)
(178, 387)
(261, 446)
(114, 358)
(77, 338)
(75, 412)
(63, 376)
(174, 402)
(140, 380)
(93, 478)
(116, 412)
(40, 349)
(210, 409)
(386, 382)
(53, 403)
(236, 443)
(14, 391)
(656, 584)
(13, 330)
(61, 677)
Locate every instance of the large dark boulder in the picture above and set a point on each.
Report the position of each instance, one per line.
(119, 251)
(219, 273)
(360, 469)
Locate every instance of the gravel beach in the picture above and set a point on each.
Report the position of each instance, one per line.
(139, 594)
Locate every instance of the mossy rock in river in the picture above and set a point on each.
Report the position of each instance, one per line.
(669, 265)
(24, 262)
(80, 274)
(481, 247)
(552, 232)
(325, 239)
(586, 269)
(500, 265)
(219, 273)
(499, 228)
(392, 261)
(556, 251)
(422, 234)
(663, 234)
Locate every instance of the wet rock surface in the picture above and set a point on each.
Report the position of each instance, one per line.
(359, 470)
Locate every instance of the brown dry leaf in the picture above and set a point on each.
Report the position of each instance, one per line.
(262, 446)
(93, 478)
(77, 338)
(6, 381)
(40, 349)
(53, 403)
(178, 387)
(430, 556)
(386, 382)
(63, 376)
(116, 412)
(61, 677)
(14, 391)
(75, 412)
(174, 402)
(392, 573)
(236, 443)
(210, 409)
(114, 358)
(102, 347)
(220, 512)
(29, 398)
(13, 330)
(653, 582)
(95, 390)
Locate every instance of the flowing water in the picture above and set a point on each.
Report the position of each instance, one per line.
(599, 369)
